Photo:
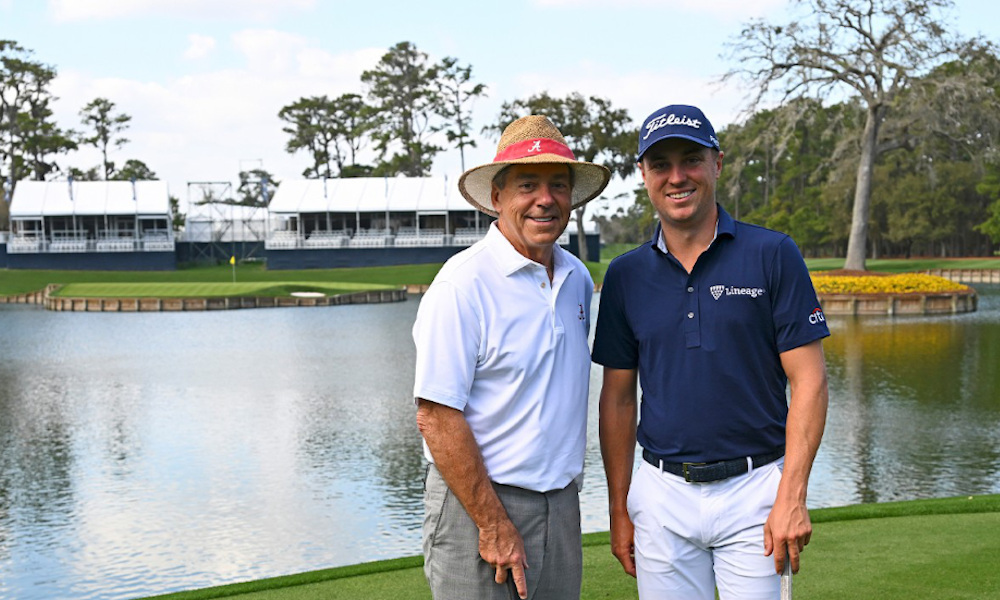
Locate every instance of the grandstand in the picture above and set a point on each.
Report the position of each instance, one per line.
(311, 223)
(372, 212)
(107, 225)
(369, 220)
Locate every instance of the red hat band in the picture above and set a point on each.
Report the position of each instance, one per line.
(534, 147)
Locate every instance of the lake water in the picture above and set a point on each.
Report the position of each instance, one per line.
(156, 452)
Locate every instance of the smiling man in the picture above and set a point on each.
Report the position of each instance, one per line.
(715, 317)
(502, 379)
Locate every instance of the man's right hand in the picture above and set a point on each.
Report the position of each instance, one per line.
(623, 541)
(502, 547)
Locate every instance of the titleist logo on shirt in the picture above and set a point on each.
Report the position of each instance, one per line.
(672, 119)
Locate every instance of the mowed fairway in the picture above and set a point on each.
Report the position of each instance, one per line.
(210, 289)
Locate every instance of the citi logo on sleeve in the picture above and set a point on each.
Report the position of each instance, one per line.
(719, 290)
(816, 316)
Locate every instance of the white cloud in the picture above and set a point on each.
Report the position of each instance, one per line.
(199, 46)
(6, 5)
(269, 50)
(201, 126)
(256, 10)
(639, 91)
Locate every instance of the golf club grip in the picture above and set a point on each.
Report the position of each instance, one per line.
(786, 580)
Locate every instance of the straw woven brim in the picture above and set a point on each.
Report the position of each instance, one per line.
(589, 180)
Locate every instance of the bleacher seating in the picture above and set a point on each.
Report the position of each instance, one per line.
(23, 245)
(466, 236)
(368, 238)
(64, 245)
(410, 236)
(115, 245)
(282, 240)
(326, 239)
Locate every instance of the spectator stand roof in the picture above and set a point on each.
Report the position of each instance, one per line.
(37, 199)
(438, 194)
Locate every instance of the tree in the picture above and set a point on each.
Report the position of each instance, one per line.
(134, 170)
(256, 188)
(355, 122)
(595, 130)
(404, 97)
(90, 174)
(873, 48)
(313, 127)
(990, 187)
(104, 127)
(634, 225)
(333, 131)
(175, 209)
(28, 136)
(457, 93)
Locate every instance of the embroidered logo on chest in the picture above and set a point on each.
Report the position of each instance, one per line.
(731, 290)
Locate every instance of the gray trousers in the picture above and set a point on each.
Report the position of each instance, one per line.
(548, 522)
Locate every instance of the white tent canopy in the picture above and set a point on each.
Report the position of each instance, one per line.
(64, 198)
(369, 194)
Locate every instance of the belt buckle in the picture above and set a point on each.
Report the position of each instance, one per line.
(686, 466)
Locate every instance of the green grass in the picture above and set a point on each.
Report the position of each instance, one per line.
(946, 548)
(22, 281)
(906, 265)
(262, 289)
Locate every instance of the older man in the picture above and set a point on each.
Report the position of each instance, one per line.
(502, 377)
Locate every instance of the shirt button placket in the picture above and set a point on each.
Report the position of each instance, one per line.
(692, 329)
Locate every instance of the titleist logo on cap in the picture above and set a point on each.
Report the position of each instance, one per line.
(662, 121)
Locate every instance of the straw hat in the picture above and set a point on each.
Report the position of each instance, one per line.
(532, 140)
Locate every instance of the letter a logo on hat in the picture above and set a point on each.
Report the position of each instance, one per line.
(536, 147)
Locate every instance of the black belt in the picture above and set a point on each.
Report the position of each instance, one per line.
(714, 471)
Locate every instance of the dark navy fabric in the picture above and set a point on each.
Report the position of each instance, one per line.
(707, 344)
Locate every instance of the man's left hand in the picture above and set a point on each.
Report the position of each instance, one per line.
(786, 533)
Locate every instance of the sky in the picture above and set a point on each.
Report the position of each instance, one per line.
(203, 80)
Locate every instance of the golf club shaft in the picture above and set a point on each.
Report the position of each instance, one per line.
(786, 579)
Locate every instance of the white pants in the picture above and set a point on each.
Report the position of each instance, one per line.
(693, 537)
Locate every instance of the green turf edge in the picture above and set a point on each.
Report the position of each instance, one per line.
(939, 506)
(263, 289)
(910, 508)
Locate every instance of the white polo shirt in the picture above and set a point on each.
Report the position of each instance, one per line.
(497, 341)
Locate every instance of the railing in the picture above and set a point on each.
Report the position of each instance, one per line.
(31, 245)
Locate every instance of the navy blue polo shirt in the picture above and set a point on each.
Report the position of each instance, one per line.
(707, 344)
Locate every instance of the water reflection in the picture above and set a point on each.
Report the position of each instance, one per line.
(147, 453)
(915, 408)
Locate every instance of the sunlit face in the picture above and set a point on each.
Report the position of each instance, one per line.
(534, 207)
(680, 176)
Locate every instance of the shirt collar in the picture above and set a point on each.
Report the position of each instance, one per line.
(724, 224)
(511, 261)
